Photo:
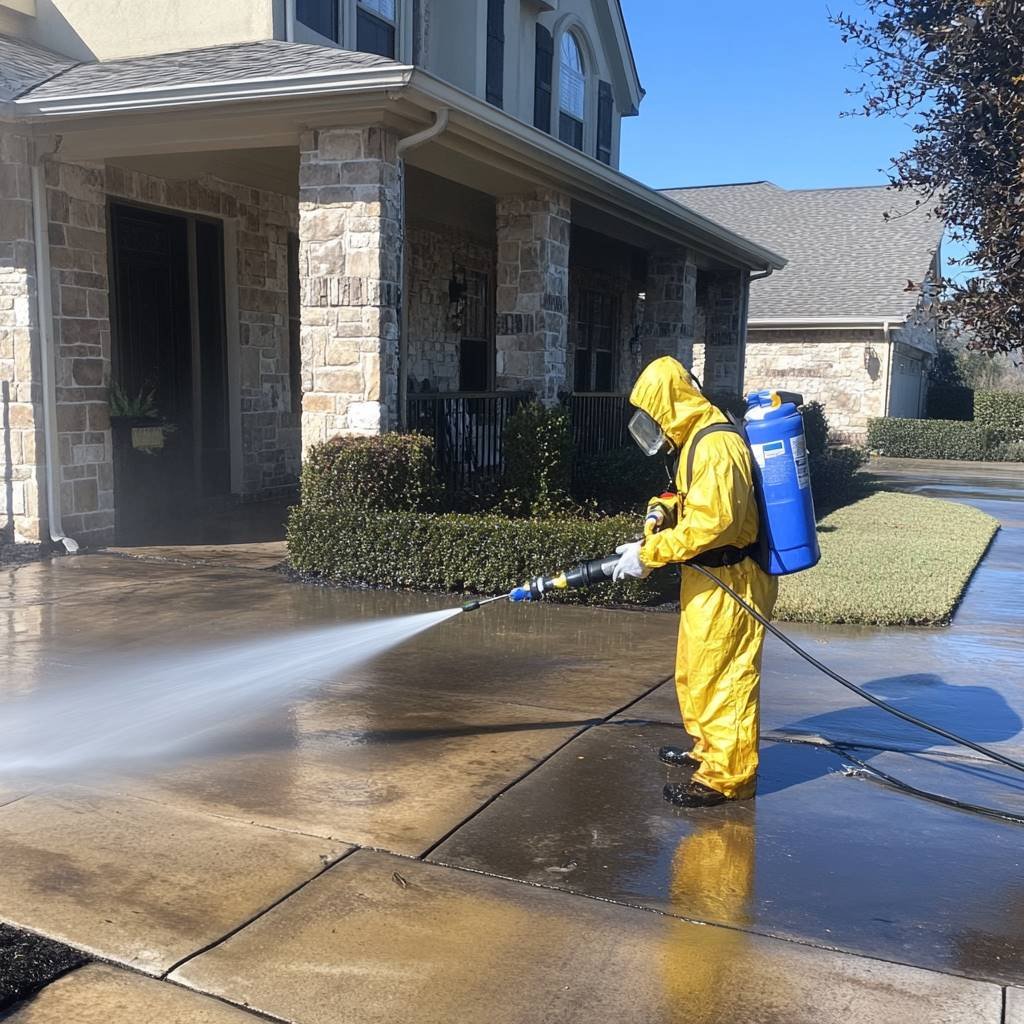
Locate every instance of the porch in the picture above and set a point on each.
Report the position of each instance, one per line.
(270, 295)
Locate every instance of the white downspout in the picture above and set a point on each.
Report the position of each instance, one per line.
(289, 21)
(410, 142)
(744, 320)
(44, 316)
(889, 357)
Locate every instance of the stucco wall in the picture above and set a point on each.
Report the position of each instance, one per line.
(107, 29)
(844, 370)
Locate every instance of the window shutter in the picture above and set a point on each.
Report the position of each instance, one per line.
(542, 77)
(496, 52)
(605, 107)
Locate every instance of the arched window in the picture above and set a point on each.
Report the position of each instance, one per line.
(572, 92)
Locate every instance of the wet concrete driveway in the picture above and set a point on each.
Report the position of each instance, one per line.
(471, 826)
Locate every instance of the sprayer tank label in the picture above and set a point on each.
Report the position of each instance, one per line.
(771, 458)
(803, 476)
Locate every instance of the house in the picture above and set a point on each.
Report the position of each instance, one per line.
(285, 219)
(850, 322)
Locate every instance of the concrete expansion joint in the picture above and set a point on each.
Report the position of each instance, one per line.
(165, 976)
(543, 761)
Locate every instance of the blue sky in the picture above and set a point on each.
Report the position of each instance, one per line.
(744, 90)
(739, 90)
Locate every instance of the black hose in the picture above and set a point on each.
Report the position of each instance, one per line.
(876, 774)
(860, 691)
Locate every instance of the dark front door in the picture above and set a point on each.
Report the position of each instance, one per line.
(168, 343)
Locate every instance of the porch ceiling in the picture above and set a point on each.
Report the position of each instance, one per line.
(275, 168)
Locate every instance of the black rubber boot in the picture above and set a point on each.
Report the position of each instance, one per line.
(676, 757)
(692, 794)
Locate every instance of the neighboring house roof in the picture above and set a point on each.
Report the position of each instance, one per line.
(845, 259)
(213, 65)
(24, 65)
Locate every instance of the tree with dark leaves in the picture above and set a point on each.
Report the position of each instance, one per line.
(955, 69)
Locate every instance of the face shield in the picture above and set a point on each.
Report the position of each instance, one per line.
(648, 435)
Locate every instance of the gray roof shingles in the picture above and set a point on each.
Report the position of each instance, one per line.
(209, 65)
(845, 258)
(24, 65)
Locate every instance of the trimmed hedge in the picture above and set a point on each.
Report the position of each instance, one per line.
(835, 480)
(950, 402)
(929, 439)
(1002, 412)
(538, 449)
(471, 554)
(391, 472)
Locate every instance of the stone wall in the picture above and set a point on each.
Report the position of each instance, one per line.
(844, 370)
(434, 252)
(350, 195)
(533, 293)
(77, 197)
(76, 206)
(718, 340)
(670, 306)
(22, 459)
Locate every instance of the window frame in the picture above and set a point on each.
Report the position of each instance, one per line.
(361, 8)
(592, 73)
(347, 17)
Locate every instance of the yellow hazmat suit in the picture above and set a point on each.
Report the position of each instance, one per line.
(718, 665)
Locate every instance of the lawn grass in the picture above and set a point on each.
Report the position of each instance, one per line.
(889, 560)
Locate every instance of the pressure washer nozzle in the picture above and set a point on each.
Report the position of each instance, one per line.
(471, 606)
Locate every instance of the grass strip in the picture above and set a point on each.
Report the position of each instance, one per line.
(890, 560)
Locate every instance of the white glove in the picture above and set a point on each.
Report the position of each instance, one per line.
(629, 563)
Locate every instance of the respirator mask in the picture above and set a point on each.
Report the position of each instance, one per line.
(651, 439)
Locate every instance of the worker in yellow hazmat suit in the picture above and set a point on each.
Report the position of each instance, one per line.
(718, 663)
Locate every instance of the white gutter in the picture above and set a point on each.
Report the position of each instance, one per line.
(783, 323)
(197, 94)
(44, 315)
(406, 145)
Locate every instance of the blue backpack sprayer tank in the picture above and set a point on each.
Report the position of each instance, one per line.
(787, 543)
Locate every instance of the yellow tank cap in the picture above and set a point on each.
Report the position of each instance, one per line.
(560, 582)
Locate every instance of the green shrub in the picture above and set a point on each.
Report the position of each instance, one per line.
(928, 439)
(387, 473)
(1012, 452)
(816, 427)
(835, 478)
(619, 481)
(477, 554)
(1002, 412)
(949, 402)
(538, 451)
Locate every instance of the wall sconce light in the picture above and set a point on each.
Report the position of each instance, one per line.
(872, 363)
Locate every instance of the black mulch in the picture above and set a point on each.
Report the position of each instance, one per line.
(29, 962)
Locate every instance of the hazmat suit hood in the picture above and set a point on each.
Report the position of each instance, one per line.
(668, 394)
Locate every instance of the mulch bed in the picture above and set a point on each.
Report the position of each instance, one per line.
(30, 962)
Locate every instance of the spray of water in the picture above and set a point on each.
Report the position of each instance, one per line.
(131, 709)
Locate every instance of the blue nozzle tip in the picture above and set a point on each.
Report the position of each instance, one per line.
(520, 594)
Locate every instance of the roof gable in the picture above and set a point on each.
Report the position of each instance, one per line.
(846, 257)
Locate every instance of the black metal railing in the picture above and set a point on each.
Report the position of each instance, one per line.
(467, 431)
(599, 422)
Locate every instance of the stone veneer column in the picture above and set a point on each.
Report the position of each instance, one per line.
(533, 293)
(76, 206)
(350, 188)
(723, 337)
(22, 456)
(670, 306)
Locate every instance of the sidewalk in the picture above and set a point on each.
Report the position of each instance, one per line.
(471, 828)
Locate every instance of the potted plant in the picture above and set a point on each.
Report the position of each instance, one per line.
(135, 420)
